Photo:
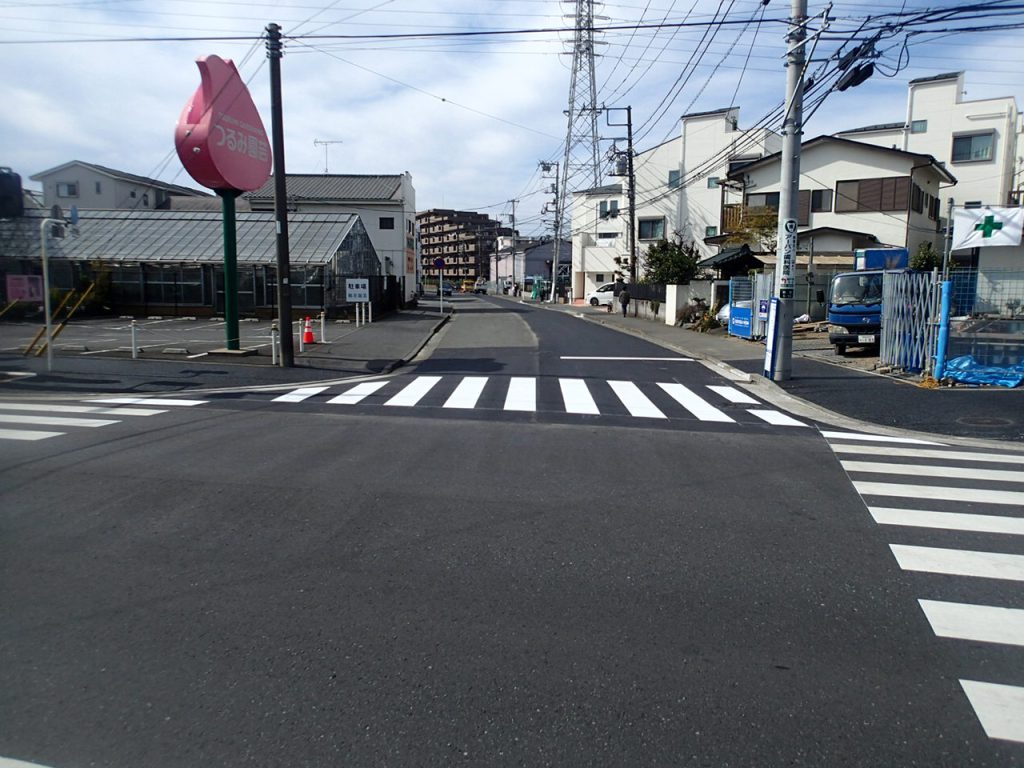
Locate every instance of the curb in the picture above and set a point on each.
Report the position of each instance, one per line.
(396, 364)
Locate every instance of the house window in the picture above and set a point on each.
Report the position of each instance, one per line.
(673, 179)
(821, 200)
(710, 231)
(974, 148)
(763, 200)
(132, 194)
(599, 278)
(918, 126)
(99, 189)
(608, 208)
(712, 182)
(738, 162)
(972, 204)
(873, 195)
(145, 198)
(651, 229)
(607, 235)
(67, 189)
(386, 222)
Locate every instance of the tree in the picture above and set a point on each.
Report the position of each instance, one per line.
(671, 263)
(925, 258)
(758, 228)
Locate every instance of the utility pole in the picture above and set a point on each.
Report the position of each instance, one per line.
(325, 144)
(513, 201)
(789, 195)
(630, 185)
(284, 296)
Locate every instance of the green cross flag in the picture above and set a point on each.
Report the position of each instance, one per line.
(987, 226)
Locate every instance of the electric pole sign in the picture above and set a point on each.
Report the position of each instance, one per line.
(787, 280)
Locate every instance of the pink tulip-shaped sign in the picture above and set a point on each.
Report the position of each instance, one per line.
(220, 137)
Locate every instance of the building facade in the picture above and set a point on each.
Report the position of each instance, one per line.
(88, 186)
(467, 241)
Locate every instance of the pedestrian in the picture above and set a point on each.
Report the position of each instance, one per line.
(624, 300)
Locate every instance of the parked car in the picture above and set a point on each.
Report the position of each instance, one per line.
(448, 289)
(603, 296)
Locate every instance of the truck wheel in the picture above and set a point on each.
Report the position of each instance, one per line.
(841, 350)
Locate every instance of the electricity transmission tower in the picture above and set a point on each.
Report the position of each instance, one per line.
(580, 167)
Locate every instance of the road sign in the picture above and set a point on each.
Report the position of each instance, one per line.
(357, 290)
(439, 262)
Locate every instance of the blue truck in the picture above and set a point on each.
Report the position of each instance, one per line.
(855, 298)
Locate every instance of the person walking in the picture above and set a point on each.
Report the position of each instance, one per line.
(624, 299)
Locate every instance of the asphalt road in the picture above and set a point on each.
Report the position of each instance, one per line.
(250, 581)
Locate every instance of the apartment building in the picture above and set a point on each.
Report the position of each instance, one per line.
(467, 241)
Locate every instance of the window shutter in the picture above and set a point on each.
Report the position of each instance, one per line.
(901, 193)
(846, 196)
(803, 208)
(869, 197)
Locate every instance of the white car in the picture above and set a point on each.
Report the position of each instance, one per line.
(602, 296)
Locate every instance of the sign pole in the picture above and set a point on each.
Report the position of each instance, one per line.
(227, 197)
(43, 227)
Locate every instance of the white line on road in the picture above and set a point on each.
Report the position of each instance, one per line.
(951, 521)
(945, 493)
(777, 418)
(876, 438)
(577, 397)
(695, 404)
(54, 408)
(357, 393)
(924, 453)
(54, 421)
(982, 623)
(298, 395)
(1000, 708)
(467, 393)
(26, 434)
(413, 392)
(733, 395)
(634, 359)
(522, 394)
(959, 562)
(934, 470)
(147, 401)
(636, 402)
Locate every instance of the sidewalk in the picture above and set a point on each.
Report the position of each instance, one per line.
(994, 413)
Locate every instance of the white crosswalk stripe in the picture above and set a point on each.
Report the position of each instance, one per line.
(955, 491)
(27, 416)
(577, 396)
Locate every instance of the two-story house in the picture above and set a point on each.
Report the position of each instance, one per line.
(89, 186)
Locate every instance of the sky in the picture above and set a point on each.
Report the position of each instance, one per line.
(470, 116)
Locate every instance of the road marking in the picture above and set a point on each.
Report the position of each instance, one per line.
(924, 453)
(733, 395)
(959, 562)
(26, 434)
(777, 418)
(357, 393)
(695, 404)
(876, 438)
(931, 470)
(147, 401)
(634, 359)
(944, 493)
(298, 395)
(1000, 708)
(522, 394)
(635, 401)
(952, 521)
(467, 393)
(982, 623)
(54, 421)
(414, 391)
(577, 397)
(53, 407)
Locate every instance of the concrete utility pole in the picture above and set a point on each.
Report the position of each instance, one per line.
(284, 295)
(513, 201)
(789, 193)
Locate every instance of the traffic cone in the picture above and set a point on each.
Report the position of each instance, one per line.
(307, 333)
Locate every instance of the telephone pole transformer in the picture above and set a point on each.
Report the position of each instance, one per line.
(580, 168)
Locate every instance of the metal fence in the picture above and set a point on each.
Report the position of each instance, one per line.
(987, 316)
(910, 315)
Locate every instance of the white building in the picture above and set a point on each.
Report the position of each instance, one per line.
(677, 194)
(88, 186)
(855, 195)
(977, 140)
(386, 204)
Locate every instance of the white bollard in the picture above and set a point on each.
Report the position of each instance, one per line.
(135, 346)
(369, 308)
(301, 345)
(323, 327)
(273, 346)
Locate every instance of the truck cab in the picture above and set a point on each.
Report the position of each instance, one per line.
(855, 298)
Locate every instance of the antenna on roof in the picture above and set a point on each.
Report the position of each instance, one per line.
(317, 143)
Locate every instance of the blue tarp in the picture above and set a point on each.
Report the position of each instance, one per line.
(967, 370)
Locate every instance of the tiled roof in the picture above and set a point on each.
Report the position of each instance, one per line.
(324, 187)
(194, 237)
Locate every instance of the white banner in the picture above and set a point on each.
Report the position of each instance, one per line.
(987, 226)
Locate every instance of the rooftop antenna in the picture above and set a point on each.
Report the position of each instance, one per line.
(324, 144)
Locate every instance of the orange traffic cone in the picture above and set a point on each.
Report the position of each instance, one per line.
(307, 333)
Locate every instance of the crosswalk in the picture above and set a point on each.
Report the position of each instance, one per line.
(526, 394)
(30, 421)
(930, 487)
